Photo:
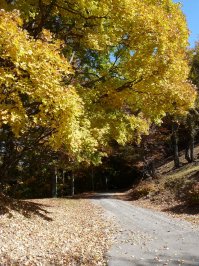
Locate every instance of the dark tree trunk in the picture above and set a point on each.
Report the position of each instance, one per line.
(175, 144)
(72, 185)
(106, 183)
(54, 184)
(152, 169)
(192, 149)
(191, 128)
(92, 179)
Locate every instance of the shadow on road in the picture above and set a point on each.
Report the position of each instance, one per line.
(183, 208)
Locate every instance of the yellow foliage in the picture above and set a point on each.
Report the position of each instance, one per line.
(32, 90)
(141, 72)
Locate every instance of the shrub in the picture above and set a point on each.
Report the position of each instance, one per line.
(143, 190)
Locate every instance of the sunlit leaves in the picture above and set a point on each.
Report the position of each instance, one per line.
(32, 88)
(129, 69)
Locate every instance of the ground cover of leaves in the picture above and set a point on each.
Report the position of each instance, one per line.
(53, 232)
(174, 209)
(168, 191)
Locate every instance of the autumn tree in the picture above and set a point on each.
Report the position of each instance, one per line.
(92, 71)
(33, 93)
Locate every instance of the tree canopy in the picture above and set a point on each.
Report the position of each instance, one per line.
(92, 71)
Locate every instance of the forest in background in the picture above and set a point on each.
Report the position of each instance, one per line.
(93, 95)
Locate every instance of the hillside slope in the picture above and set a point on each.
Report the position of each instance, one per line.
(173, 190)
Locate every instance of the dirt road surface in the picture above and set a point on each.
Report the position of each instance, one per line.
(147, 237)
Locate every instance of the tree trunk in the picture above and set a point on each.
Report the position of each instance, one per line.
(192, 149)
(92, 179)
(189, 151)
(72, 185)
(152, 169)
(63, 177)
(106, 183)
(54, 184)
(175, 144)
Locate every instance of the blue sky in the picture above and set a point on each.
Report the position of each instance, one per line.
(191, 10)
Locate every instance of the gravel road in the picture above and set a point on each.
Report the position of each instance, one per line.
(147, 237)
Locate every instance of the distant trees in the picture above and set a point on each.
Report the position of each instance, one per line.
(192, 118)
(189, 123)
(194, 61)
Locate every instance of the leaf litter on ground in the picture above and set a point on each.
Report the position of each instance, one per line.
(59, 232)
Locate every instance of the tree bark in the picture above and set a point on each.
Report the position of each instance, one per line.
(189, 151)
(175, 144)
(92, 179)
(54, 184)
(72, 185)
